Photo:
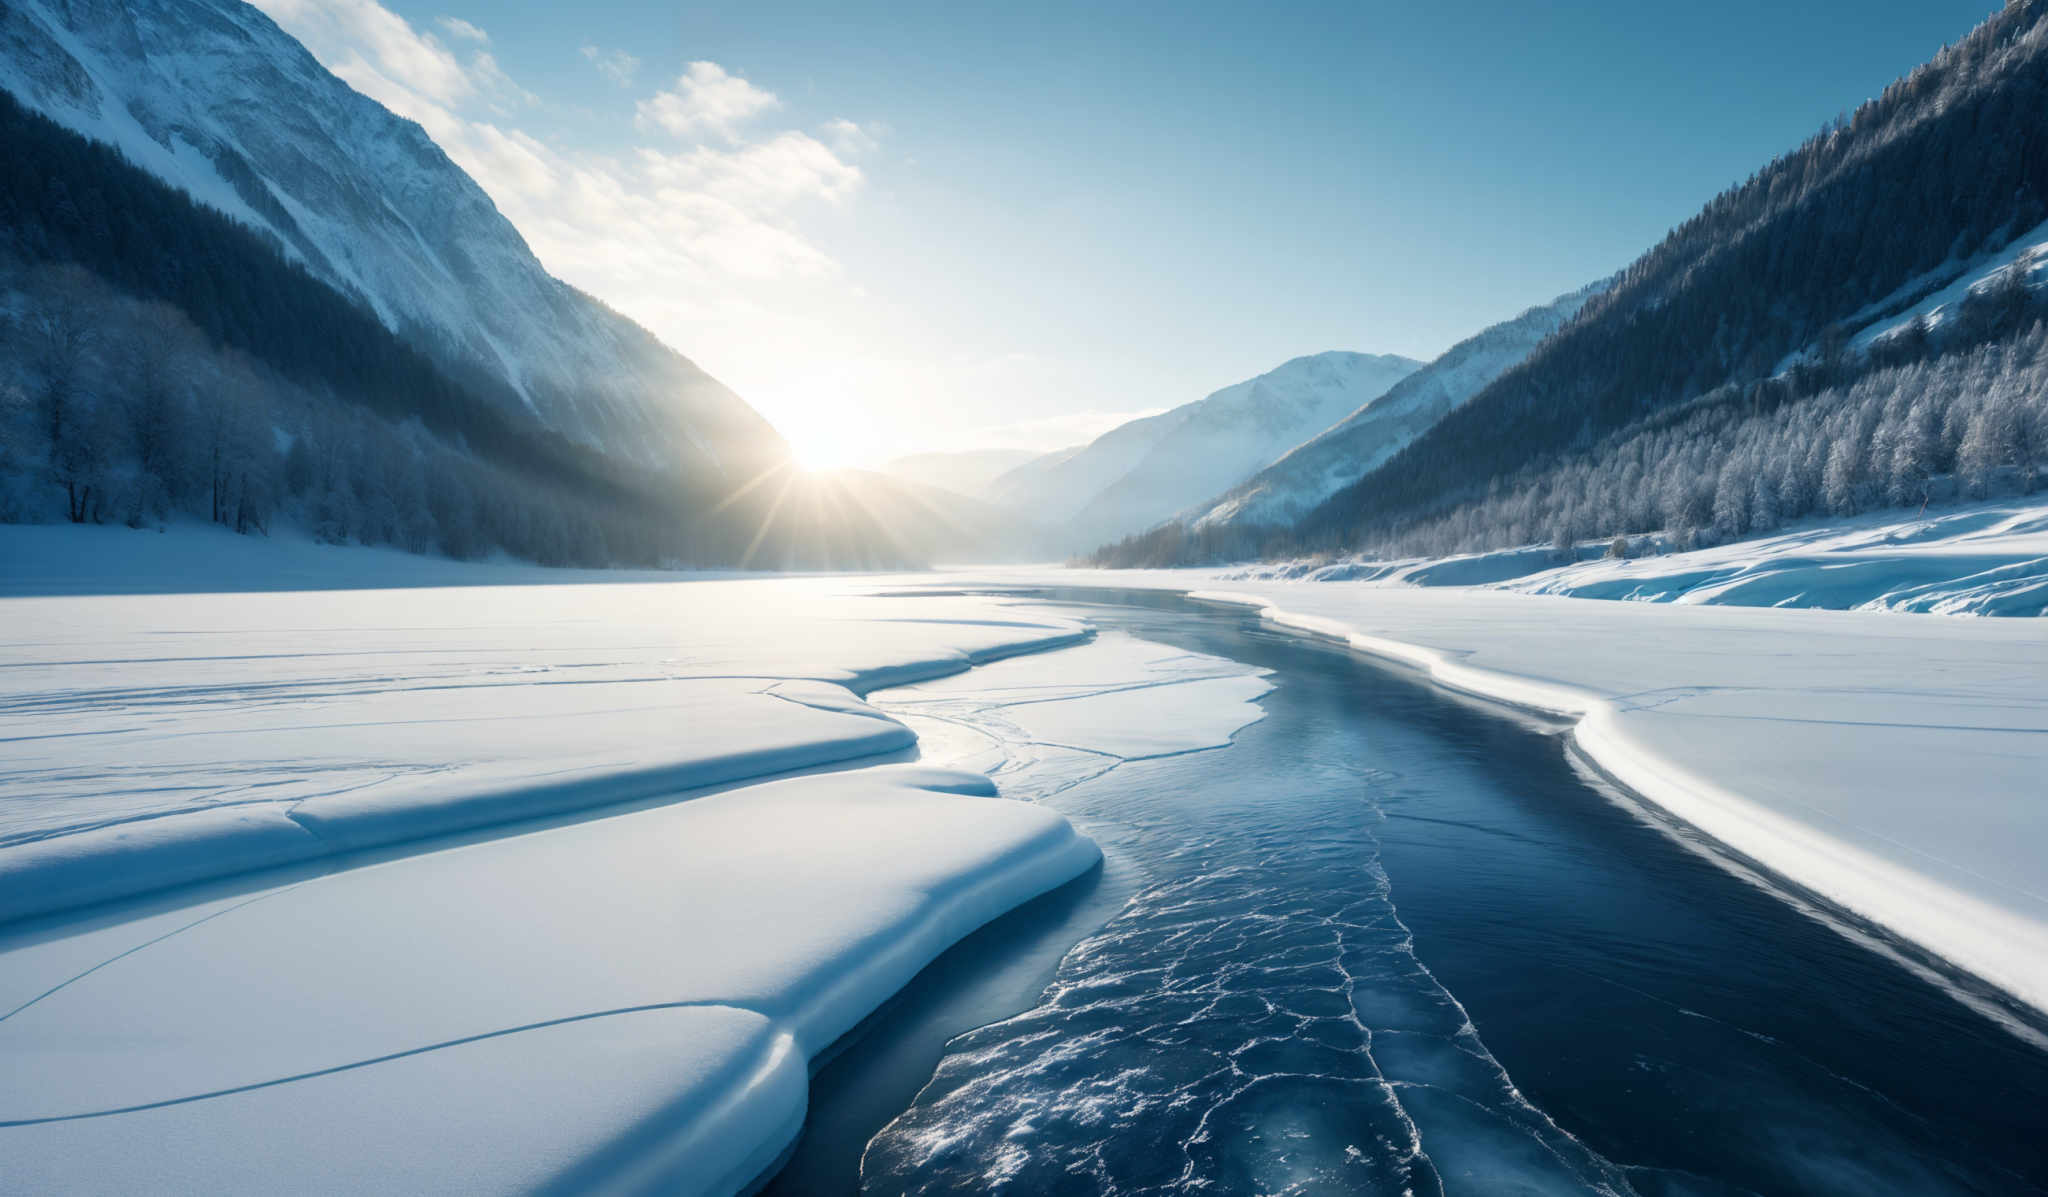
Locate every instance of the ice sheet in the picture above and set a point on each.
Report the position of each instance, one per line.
(490, 987)
(158, 739)
(1122, 698)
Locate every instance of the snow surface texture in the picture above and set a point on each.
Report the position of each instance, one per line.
(1982, 559)
(1891, 763)
(631, 1000)
(1312, 471)
(156, 740)
(1122, 699)
(1143, 472)
(213, 98)
(628, 1002)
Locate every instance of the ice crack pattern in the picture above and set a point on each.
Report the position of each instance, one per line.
(1254, 1021)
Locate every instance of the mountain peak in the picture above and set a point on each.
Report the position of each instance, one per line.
(213, 98)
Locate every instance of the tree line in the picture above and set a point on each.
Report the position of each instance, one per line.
(160, 360)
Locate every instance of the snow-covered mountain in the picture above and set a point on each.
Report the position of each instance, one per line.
(212, 97)
(1313, 471)
(1140, 473)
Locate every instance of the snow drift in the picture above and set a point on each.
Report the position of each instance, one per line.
(1979, 559)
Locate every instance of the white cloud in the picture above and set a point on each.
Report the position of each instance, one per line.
(849, 138)
(457, 27)
(372, 40)
(777, 173)
(705, 99)
(407, 70)
(615, 65)
(620, 226)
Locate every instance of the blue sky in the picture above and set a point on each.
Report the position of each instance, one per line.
(927, 226)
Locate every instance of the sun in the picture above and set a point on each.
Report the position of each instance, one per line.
(823, 449)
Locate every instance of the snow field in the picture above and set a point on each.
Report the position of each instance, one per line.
(156, 740)
(1980, 559)
(1989, 559)
(626, 1001)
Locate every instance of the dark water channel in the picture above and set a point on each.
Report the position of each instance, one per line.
(1391, 942)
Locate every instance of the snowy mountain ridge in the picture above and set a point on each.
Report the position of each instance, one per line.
(1318, 468)
(1143, 472)
(213, 98)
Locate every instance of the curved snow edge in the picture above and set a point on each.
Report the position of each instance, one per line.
(724, 1123)
(160, 852)
(969, 902)
(743, 1138)
(1995, 945)
(128, 859)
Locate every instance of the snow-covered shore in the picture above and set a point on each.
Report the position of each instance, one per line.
(1891, 763)
(631, 999)
(161, 739)
(627, 1002)
(634, 997)
(1979, 559)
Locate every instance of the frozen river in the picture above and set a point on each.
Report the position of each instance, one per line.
(1388, 941)
(1348, 933)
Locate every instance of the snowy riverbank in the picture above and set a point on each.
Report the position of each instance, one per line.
(1890, 763)
(629, 998)
(662, 973)
(160, 739)
(1979, 559)
(628, 1002)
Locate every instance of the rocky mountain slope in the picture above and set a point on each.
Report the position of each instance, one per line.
(212, 97)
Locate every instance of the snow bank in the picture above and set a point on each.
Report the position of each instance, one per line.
(436, 760)
(626, 1001)
(1982, 559)
(1891, 764)
(1989, 559)
(159, 739)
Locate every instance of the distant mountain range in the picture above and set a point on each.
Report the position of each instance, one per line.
(1149, 470)
(1349, 449)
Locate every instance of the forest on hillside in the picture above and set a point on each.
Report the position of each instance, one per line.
(1681, 370)
(161, 361)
